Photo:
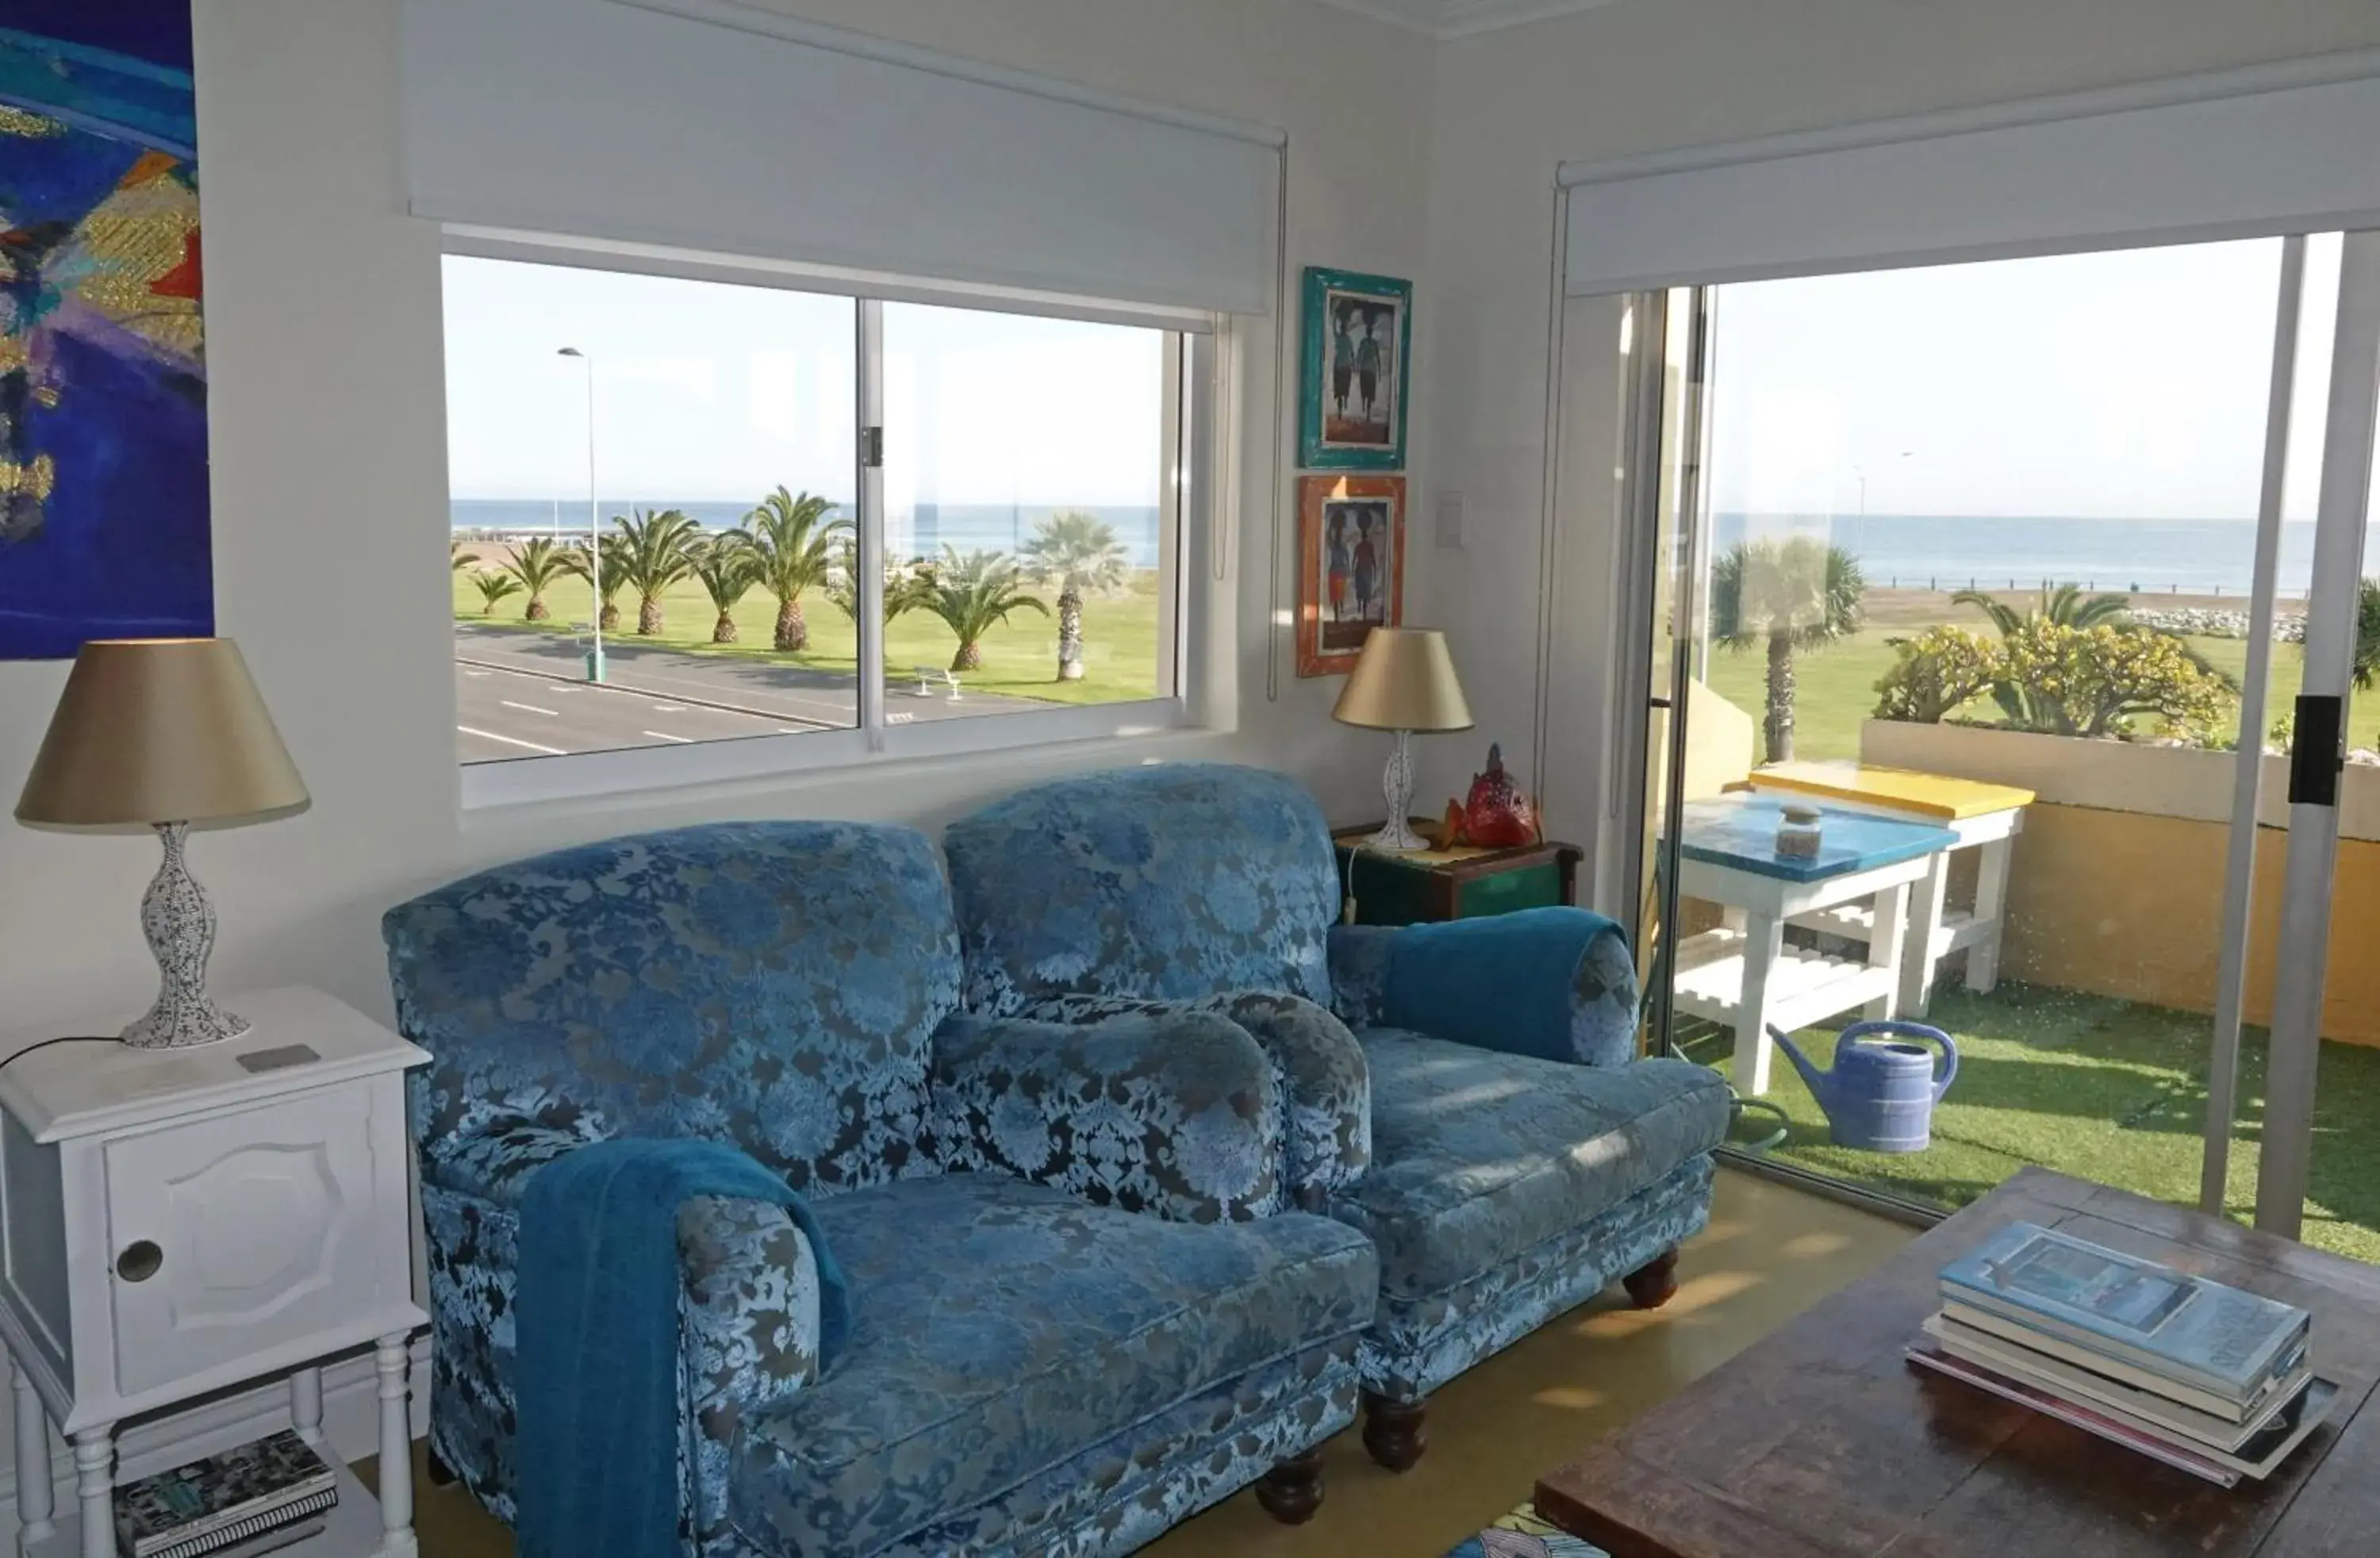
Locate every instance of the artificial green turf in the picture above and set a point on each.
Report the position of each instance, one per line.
(2101, 1089)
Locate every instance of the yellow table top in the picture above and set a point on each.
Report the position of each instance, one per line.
(1919, 794)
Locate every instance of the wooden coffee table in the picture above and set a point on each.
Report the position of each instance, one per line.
(1820, 1442)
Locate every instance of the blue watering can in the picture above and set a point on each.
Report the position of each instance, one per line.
(1881, 1094)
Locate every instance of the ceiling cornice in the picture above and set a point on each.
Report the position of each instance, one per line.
(1456, 19)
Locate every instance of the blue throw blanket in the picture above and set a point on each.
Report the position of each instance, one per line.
(596, 1318)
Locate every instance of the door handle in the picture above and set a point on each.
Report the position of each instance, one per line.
(141, 1260)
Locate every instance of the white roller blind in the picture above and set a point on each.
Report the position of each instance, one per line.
(706, 126)
(2292, 147)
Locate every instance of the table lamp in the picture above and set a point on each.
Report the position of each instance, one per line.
(1403, 681)
(166, 733)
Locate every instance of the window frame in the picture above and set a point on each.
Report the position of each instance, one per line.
(1186, 531)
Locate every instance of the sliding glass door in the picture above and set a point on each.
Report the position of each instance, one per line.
(2043, 577)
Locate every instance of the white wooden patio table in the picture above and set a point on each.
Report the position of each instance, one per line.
(1987, 816)
(1743, 974)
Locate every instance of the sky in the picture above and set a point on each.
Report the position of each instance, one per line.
(707, 391)
(2118, 386)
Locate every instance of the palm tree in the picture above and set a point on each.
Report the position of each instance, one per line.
(972, 594)
(614, 557)
(457, 560)
(905, 583)
(2367, 634)
(792, 544)
(656, 552)
(495, 589)
(1075, 552)
(1791, 595)
(724, 570)
(2063, 604)
(538, 563)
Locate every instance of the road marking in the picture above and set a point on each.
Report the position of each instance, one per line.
(475, 673)
(529, 708)
(668, 708)
(515, 741)
(665, 735)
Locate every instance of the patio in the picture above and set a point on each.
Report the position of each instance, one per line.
(2094, 1086)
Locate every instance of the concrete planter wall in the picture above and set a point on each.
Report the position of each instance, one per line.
(2116, 886)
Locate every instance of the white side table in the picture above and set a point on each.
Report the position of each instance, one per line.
(173, 1223)
(1743, 975)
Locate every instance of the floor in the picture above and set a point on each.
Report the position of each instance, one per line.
(1768, 1254)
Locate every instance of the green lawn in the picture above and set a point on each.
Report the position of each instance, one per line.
(2105, 1089)
(1835, 688)
(1020, 658)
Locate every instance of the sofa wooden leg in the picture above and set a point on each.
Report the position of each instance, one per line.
(441, 1474)
(1654, 1284)
(1292, 1492)
(1393, 1430)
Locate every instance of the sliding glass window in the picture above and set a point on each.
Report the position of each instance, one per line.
(666, 492)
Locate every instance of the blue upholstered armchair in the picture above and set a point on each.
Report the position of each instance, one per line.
(1078, 1310)
(1465, 1093)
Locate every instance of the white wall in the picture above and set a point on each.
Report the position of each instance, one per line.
(1642, 75)
(329, 478)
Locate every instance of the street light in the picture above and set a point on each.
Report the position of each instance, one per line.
(594, 519)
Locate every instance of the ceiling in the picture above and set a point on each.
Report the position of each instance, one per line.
(1453, 18)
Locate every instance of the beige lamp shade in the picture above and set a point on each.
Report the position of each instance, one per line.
(159, 730)
(1403, 680)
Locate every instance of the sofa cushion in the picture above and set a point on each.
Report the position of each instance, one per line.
(1002, 1328)
(1478, 1156)
(775, 985)
(1169, 883)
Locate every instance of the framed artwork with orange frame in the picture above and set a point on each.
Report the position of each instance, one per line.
(1351, 567)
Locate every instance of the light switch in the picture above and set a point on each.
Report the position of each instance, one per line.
(1450, 532)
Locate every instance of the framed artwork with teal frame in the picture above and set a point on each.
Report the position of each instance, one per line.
(1358, 363)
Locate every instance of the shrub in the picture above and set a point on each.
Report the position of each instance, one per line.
(1935, 671)
(2092, 681)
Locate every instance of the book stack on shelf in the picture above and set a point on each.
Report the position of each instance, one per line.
(2204, 1377)
(242, 1504)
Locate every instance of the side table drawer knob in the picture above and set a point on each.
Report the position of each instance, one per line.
(140, 1260)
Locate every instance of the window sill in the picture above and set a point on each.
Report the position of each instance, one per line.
(491, 791)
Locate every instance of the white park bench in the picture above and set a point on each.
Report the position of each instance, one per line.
(928, 675)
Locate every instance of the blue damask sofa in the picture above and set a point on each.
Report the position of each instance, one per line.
(1466, 1094)
(1079, 1309)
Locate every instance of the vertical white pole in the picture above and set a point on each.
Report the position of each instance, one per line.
(869, 478)
(594, 526)
(94, 1455)
(306, 1404)
(2329, 664)
(36, 1496)
(2240, 868)
(396, 1448)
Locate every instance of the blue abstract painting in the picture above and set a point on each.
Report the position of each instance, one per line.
(104, 511)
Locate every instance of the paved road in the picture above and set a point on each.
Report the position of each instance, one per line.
(520, 694)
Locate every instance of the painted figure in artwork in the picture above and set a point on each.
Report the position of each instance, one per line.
(1342, 356)
(1341, 565)
(1367, 571)
(1367, 365)
(103, 510)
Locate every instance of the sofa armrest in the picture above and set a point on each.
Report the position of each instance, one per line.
(1325, 1083)
(1555, 983)
(1172, 1114)
(748, 1327)
(492, 1160)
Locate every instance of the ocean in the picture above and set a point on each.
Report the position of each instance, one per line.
(1938, 552)
(914, 532)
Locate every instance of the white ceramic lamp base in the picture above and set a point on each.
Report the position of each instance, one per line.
(1397, 785)
(180, 925)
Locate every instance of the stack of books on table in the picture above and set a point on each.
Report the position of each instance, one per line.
(242, 1504)
(2206, 1378)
